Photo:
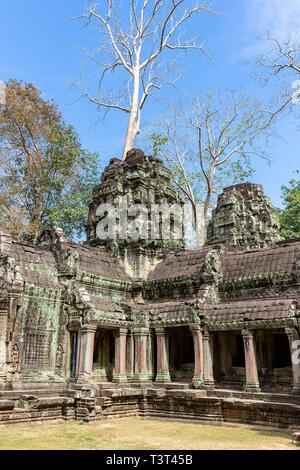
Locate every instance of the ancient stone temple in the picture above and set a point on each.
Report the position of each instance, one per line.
(142, 325)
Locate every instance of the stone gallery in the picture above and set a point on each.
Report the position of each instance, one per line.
(146, 327)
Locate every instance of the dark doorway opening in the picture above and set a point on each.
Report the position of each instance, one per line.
(282, 355)
(181, 354)
(73, 355)
(238, 355)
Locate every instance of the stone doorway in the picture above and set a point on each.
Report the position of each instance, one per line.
(104, 355)
(73, 355)
(181, 354)
(274, 360)
(229, 360)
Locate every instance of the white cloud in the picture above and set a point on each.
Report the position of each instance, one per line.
(278, 17)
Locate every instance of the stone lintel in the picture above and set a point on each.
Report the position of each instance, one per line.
(140, 331)
(89, 328)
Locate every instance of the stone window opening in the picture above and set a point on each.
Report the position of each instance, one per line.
(37, 349)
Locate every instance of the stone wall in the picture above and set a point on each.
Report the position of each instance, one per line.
(159, 403)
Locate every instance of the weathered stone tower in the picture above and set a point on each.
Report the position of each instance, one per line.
(243, 219)
(139, 182)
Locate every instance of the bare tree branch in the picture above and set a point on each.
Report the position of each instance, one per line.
(135, 47)
(224, 132)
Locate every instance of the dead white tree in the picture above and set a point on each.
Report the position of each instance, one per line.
(212, 145)
(134, 46)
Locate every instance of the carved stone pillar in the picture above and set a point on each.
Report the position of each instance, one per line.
(130, 355)
(3, 328)
(150, 356)
(163, 374)
(208, 375)
(198, 354)
(293, 337)
(120, 355)
(86, 352)
(252, 381)
(140, 354)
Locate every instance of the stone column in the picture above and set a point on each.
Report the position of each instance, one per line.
(252, 381)
(208, 375)
(120, 355)
(293, 337)
(140, 354)
(198, 354)
(3, 328)
(130, 355)
(149, 356)
(86, 352)
(163, 374)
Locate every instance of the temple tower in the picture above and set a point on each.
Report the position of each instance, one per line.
(243, 219)
(127, 191)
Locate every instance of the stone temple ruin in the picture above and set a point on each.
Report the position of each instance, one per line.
(148, 328)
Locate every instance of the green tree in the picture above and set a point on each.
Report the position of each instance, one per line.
(289, 216)
(46, 175)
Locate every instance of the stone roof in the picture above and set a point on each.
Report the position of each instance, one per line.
(99, 303)
(36, 264)
(165, 307)
(100, 263)
(181, 264)
(250, 310)
(280, 259)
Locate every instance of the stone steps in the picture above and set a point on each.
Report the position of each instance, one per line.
(16, 394)
(265, 397)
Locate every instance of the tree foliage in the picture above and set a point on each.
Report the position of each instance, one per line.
(289, 216)
(46, 175)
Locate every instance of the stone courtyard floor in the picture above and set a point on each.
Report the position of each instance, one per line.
(138, 434)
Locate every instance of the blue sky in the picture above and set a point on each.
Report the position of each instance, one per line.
(41, 43)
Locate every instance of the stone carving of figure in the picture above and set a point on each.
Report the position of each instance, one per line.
(211, 267)
(83, 303)
(7, 271)
(15, 354)
(10, 372)
(18, 281)
(69, 261)
(59, 357)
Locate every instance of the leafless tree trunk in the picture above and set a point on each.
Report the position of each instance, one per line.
(134, 48)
